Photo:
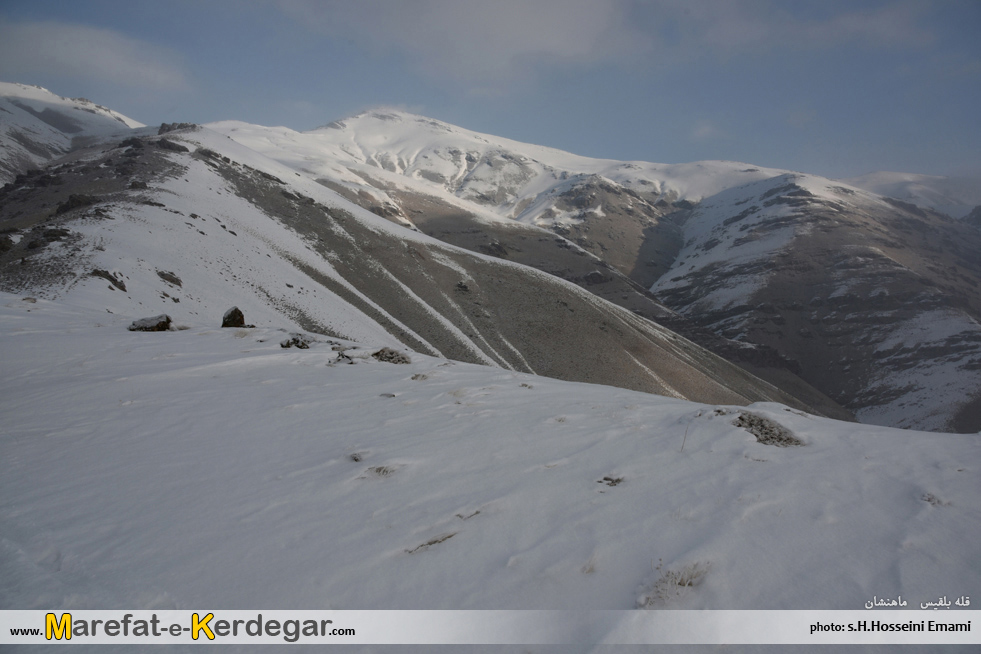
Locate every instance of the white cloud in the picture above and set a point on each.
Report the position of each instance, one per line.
(87, 53)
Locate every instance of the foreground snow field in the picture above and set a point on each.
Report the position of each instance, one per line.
(211, 467)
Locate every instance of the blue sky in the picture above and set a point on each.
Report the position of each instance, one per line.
(837, 88)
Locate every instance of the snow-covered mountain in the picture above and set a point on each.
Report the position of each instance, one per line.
(616, 253)
(868, 299)
(345, 451)
(382, 156)
(37, 126)
(191, 223)
(895, 341)
(876, 300)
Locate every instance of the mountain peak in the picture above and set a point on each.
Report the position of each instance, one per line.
(390, 116)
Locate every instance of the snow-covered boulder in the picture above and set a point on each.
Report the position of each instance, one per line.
(159, 323)
(233, 318)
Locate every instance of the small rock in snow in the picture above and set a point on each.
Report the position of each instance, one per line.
(159, 323)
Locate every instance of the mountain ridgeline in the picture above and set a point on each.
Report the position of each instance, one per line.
(716, 282)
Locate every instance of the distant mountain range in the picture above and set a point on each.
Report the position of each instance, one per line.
(718, 282)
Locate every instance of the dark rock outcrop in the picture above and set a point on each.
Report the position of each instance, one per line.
(109, 277)
(169, 277)
(75, 201)
(388, 355)
(170, 145)
(233, 318)
(159, 323)
(173, 127)
(299, 341)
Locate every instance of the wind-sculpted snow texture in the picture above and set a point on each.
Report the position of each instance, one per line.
(871, 300)
(209, 467)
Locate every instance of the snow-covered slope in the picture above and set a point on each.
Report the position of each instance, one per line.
(502, 173)
(209, 467)
(212, 467)
(875, 300)
(954, 196)
(193, 223)
(597, 223)
(706, 237)
(36, 126)
(387, 160)
(507, 178)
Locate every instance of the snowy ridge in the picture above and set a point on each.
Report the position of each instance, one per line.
(510, 179)
(252, 232)
(37, 126)
(729, 233)
(954, 196)
(417, 146)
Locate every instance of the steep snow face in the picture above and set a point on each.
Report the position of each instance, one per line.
(212, 467)
(954, 196)
(872, 300)
(37, 126)
(712, 248)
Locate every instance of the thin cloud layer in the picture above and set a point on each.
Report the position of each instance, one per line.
(476, 43)
(479, 41)
(732, 27)
(87, 53)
